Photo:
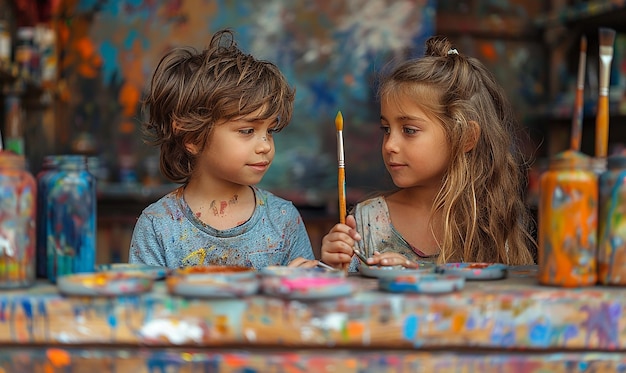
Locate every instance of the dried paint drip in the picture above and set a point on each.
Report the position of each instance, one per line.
(17, 222)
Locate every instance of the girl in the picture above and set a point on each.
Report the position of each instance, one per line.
(447, 145)
(214, 115)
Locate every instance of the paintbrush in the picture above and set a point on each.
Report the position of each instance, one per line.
(360, 255)
(341, 171)
(341, 178)
(606, 39)
(577, 119)
(325, 266)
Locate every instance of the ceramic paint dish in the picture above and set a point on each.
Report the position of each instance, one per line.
(523, 271)
(475, 271)
(425, 283)
(213, 282)
(105, 284)
(305, 283)
(156, 272)
(392, 271)
(210, 269)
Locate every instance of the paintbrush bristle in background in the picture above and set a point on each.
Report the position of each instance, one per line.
(577, 118)
(339, 121)
(606, 39)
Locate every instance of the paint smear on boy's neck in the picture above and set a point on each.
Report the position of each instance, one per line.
(219, 208)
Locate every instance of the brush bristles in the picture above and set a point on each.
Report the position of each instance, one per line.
(606, 36)
(339, 121)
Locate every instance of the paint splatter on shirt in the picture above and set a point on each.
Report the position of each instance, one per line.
(169, 234)
(373, 222)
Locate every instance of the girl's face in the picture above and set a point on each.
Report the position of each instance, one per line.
(240, 151)
(415, 148)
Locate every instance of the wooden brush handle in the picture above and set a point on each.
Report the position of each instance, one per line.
(341, 185)
(577, 121)
(602, 126)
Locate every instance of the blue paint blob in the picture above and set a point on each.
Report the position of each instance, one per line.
(411, 324)
(28, 308)
(539, 334)
(41, 307)
(3, 307)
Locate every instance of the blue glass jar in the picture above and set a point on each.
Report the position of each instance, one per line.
(612, 223)
(70, 198)
(48, 166)
(18, 207)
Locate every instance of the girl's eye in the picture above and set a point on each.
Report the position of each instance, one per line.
(385, 129)
(409, 131)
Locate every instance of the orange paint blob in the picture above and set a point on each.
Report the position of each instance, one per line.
(129, 99)
(58, 358)
(488, 50)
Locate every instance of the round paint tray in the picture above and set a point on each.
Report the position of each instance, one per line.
(426, 283)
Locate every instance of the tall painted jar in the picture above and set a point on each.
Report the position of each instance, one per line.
(48, 167)
(568, 222)
(71, 218)
(18, 209)
(612, 223)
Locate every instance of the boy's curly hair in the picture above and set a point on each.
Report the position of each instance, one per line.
(190, 92)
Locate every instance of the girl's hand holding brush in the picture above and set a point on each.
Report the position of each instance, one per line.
(338, 244)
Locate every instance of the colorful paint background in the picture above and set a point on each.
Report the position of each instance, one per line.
(330, 51)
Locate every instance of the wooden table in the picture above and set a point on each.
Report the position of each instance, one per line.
(511, 325)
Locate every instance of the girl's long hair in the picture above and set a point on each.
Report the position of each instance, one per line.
(481, 202)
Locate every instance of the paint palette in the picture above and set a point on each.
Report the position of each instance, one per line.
(305, 283)
(105, 284)
(156, 272)
(523, 271)
(475, 271)
(424, 283)
(393, 271)
(213, 282)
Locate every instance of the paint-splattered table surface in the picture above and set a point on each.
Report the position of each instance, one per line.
(514, 313)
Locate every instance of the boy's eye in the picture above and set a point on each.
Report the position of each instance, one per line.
(246, 131)
(272, 131)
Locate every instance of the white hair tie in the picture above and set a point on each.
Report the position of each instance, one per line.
(453, 51)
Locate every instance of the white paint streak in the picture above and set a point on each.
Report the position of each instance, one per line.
(176, 332)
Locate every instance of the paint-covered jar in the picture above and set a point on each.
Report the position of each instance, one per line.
(568, 222)
(48, 166)
(70, 198)
(18, 209)
(612, 223)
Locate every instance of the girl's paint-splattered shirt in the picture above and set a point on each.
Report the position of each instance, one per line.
(378, 234)
(169, 234)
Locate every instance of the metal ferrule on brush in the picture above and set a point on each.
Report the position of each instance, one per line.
(606, 56)
(340, 157)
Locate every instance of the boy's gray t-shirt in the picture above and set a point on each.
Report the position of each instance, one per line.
(169, 234)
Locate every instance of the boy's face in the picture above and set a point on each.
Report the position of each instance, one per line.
(240, 151)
